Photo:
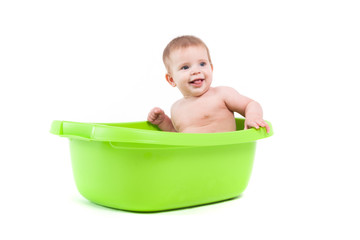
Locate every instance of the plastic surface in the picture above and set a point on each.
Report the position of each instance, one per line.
(137, 167)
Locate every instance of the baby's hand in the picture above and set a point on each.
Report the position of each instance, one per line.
(256, 123)
(156, 116)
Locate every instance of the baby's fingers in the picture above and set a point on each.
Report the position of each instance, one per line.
(150, 117)
(251, 124)
(157, 111)
(267, 127)
(153, 114)
(264, 124)
(156, 116)
(257, 124)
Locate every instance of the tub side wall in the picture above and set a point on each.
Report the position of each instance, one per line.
(154, 179)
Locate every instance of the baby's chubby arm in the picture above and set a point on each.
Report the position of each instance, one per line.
(158, 117)
(247, 107)
(254, 116)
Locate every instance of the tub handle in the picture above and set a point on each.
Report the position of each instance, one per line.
(72, 129)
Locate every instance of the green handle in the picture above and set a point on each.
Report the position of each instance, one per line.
(72, 129)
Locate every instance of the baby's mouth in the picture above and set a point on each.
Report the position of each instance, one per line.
(197, 82)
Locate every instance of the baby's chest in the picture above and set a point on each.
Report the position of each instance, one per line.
(199, 113)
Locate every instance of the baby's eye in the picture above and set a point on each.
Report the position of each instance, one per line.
(185, 67)
(203, 64)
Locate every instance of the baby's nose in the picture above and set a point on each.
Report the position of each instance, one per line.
(195, 72)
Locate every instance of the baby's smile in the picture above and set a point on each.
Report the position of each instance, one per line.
(197, 82)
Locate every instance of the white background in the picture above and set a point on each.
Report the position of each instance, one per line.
(100, 61)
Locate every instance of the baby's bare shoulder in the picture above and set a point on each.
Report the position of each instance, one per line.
(225, 91)
(177, 104)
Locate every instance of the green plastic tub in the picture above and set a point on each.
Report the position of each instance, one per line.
(136, 167)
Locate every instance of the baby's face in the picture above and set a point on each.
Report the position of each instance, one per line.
(191, 71)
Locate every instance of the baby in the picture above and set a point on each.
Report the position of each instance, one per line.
(203, 109)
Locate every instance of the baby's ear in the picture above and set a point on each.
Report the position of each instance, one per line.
(170, 80)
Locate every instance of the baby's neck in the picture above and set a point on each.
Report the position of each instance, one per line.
(199, 96)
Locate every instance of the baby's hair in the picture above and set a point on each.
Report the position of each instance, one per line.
(182, 42)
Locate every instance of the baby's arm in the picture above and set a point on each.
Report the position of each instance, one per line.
(254, 116)
(247, 107)
(158, 117)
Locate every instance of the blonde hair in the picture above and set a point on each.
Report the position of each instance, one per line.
(182, 42)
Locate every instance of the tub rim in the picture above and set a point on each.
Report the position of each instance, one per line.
(134, 132)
